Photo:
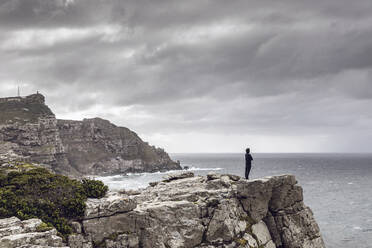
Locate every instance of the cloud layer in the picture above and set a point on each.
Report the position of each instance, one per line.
(200, 75)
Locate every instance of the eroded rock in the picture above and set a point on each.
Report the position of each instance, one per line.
(214, 211)
(15, 233)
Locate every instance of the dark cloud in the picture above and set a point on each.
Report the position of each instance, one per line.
(287, 69)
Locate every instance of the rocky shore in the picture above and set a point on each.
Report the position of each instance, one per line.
(185, 210)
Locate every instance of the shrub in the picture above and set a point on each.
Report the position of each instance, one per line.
(94, 188)
(54, 199)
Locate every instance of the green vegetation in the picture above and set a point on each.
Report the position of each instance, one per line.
(17, 166)
(43, 227)
(21, 111)
(94, 188)
(54, 199)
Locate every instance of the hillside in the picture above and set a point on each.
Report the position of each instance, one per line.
(96, 146)
(30, 132)
(27, 109)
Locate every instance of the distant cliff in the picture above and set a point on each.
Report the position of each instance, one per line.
(96, 146)
(30, 132)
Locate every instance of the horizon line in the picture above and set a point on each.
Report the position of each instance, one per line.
(271, 152)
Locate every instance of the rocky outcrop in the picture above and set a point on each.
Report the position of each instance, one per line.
(195, 211)
(191, 211)
(98, 147)
(31, 233)
(29, 132)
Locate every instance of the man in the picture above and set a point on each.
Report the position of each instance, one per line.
(248, 163)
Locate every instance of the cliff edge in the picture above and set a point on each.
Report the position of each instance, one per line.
(30, 132)
(187, 211)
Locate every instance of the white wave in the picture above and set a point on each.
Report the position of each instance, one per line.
(204, 169)
(151, 173)
(157, 173)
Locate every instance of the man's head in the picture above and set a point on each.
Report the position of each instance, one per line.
(247, 150)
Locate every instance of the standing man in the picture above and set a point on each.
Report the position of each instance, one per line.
(248, 162)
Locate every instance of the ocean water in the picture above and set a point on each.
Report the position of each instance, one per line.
(337, 187)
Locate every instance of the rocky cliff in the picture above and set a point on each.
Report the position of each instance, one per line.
(192, 211)
(96, 146)
(29, 132)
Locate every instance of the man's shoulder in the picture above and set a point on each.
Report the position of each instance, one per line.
(247, 155)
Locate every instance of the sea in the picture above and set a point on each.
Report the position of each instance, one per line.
(337, 187)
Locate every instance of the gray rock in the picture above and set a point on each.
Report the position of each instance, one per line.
(79, 241)
(212, 211)
(226, 223)
(123, 240)
(251, 242)
(271, 244)
(98, 147)
(255, 196)
(261, 233)
(298, 229)
(112, 203)
(177, 176)
(15, 233)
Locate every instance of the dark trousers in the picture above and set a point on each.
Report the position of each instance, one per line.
(248, 167)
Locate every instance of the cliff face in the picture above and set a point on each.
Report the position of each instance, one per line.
(222, 211)
(30, 132)
(23, 109)
(96, 146)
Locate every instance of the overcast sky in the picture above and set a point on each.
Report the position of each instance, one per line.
(200, 75)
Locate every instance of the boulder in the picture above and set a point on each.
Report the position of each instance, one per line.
(112, 203)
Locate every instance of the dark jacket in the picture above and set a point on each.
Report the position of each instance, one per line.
(248, 159)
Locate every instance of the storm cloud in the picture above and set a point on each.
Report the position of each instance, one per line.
(200, 75)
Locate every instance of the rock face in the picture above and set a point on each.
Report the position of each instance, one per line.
(29, 132)
(213, 211)
(187, 211)
(15, 233)
(96, 146)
